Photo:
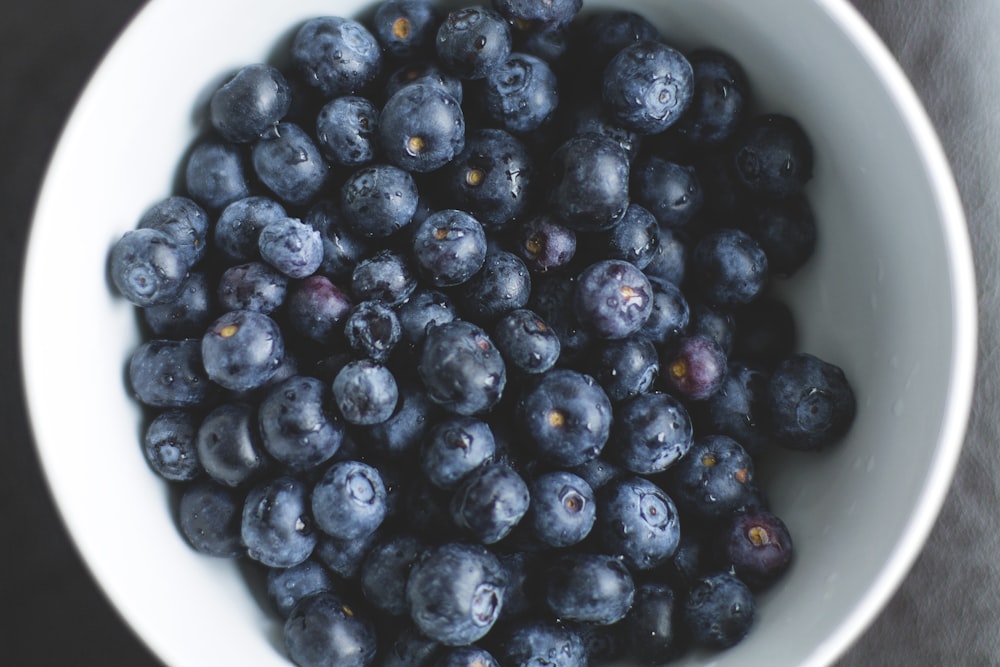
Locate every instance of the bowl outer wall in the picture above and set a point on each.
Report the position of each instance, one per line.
(890, 297)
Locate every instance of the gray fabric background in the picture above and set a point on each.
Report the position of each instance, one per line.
(944, 614)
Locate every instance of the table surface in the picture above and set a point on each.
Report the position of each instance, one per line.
(943, 614)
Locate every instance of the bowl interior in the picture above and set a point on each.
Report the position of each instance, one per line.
(889, 297)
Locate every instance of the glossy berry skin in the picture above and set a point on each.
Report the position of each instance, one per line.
(491, 178)
(669, 261)
(298, 425)
(208, 515)
(184, 221)
(421, 128)
(455, 447)
(420, 311)
(237, 230)
(276, 527)
(773, 156)
(252, 286)
(536, 16)
(406, 28)
(740, 408)
(386, 276)
(613, 299)
(372, 330)
(757, 546)
(449, 247)
(502, 284)
(288, 161)
(811, 402)
(786, 231)
(489, 502)
(625, 367)
(522, 94)
(464, 656)
(718, 611)
(292, 247)
(651, 433)
(242, 350)
(423, 72)
(694, 367)
(634, 239)
(169, 374)
(461, 368)
(638, 521)
(455, 593)
(589, 183)
(170, 445)
(544, 244)
(715, 322)
(715, 479)
(472, 42)
(316, 308)
(588, 116)
(349, 500)
(565, 417)
(337, 56)
(647, 86)
(588, 588)
(670, 191)
(730, 267)
(147, 267)
(215, 174)
(342, 249)
(229, 444)
(250, 103)
(653, 630)
(538, 642)
(385, 570)
(378, 200)
(670, 314)
(720, 102)
(346, 130)
(607, 32)
(526, 342)
(365, 392)
(562, 510)
(323, 629)
(286, 586)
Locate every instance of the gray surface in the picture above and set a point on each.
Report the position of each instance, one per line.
(946, 611)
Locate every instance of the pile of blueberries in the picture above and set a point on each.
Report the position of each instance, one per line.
(461, 330)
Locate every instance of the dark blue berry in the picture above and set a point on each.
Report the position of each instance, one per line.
(811, 402)
(730, 267)
(346, 130)
(625, 367)
(372, 330)
(208, 515)
(421, 128)
(461, 368)
(276, 527)
(423, 309)
(588, 116)
(670, 315)
(757, 546)
(464, 656)
(562, 510)
(552, 298)
(242, 349)
(147, 267)
(455, 447)
(252, 286)
(449, 247)
(489, 502)
(534, 16)
(342, 250)
(404, 430)
(169, 374)
(715, 322)
(653, 632)
(670, 191)
(544, 244)
(721, 99)
(215, 174)
(669, 260)
(472, 42)
(229, 445)
(588, 588)
(502, 284)
(349, 500)
(408, 647)
(424, 72)
(316, 308)
(286, 586)
(718, 611)
(250, 103)
(786, 231)
(385, 571)
(526, 342)
(605, 33)
(613, 299)
(292, 247)
(170, 445)
(651, 432)
(365, 392)
(323, 629)
(237, 230)
(715, 479)
(378, 200)
(773, 156)
(541, 642)
(406, 28)
(288, 161)
(589, 183)
(338, 56)
(647, 86)
(385, 276)
(298, 426)
(638, 521)
(184, 221)
(740, 408)
(635, 239)
(521, 94)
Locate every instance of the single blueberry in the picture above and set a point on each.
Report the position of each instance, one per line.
(286, 586)
(526, 342)
(298, 426)
(715, 322)
(215, 174)
(148, 268)
(453, 448)
(385, 571)
(638, 521)
(208, 515)
(651, 433)
(669, 260)
(421, 128)
(372, 330)
(740, 408)
(773, 156)
(670, 191)
(365, 392)
(170, 445)
(718, 611)
(378, 200)
(648, 86)
(606, 32)
(420, 311)
(316, 308)
(715, 479)
(528, 643)
(288, 161)
(589, 183)
(252, 286)
(502, 284)
(670, 315)
(757, 546)
(336, 55)
(242, 349)
(237, 230)
(562, 510)
(346, 130)
(489, 502)
(589, 588)
(635, 239)
(653, 631)
(406, 28)
(534, 16)
(694, 367)
(323, 629)
(613, 299)
(521, 94)
(169, 374)
(276, 527)
(183, 220)
(292, 247)
(229, 445)
(544, 244)
(461, 368)
(786, 231)
(385, 276)
(730, 267)
(473, 41)
(811, 402)
(720, 101)
(250, 103)
(449, 247)
(349, 500)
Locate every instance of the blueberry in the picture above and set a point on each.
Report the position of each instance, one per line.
(811, 402)
(288, 161)
(651, 432)
(385, 276)
(292, 247)
(534, 16)
(276, 527)
(607, 32)
(521, 94)
(465, 656)
(237, 229)
(489, 502)
(344, 557)
(338, 56)
(670, 315)
(346, 130)
(521, 568)
(365, 392)
(730, 267)
(456, 592)
(449, 247)
(670, 191)
(625, 367)
(242, 349)
(349, 500)
(147, 267)
(715, 479)
(589, 183)
(588, 116)
(502, 284)
(549, 44)
(169, 374)
(424, 72)
(589, 588)
(526, 342)
(404, 430)
(614, 299)
(669, 260)
(718, 611)
(252, 286)
(188, 315)
(423, 309)
(562, 508)
(715, 322)
(757, 546)
(540, 642)
(286, 586)
(694, 367)
(740, 408)
(229, 445)
(316, 308)
(491, 178)
(170, 445)
(385, 571)
(342, 250)
(453, 448)
(786, 231)
(773, 156)
(372, 330)
(566, 417)
(544, 244)
(378, 200)
(215, 174)
(647, 86)
(638, 521)
(721, 98)
(323, 629)
(472, 42)
(653, 631)
(250, 103)
(406, 28)
(184, 221)
(421, 128)
(461, 368)
(635, 239)
(208, 515)
(297, 424)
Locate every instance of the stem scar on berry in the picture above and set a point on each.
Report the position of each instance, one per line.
(415, 145)
(401, 28)
(229, 330)
(474, 176)
(556, 418)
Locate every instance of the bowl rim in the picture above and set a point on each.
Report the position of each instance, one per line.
(961, 381)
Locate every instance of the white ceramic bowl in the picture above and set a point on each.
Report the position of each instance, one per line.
(889, 297)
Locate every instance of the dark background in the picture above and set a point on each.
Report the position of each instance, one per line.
(944, 614)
